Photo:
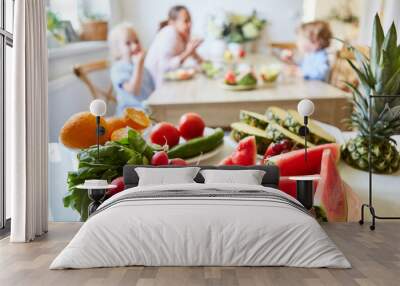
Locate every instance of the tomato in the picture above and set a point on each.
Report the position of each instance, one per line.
(160, 158)
(191, 125)
(230, 77)
(177, 162)
(242, 53)
(164, 133)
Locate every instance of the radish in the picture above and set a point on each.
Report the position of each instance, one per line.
(160, 158)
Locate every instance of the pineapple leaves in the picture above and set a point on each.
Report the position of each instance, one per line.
(379, 75)
(366, 82)
(377, 41)
(392, 86)
(390, 42)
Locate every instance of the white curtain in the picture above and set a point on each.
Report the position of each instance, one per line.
(27, 123)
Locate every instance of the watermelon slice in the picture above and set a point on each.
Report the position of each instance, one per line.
(330, 194)
(353, 205)
(293, 163)
(227, 161)
(245, 153)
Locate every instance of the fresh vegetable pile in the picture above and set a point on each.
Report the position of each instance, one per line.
(245, 78)
(113, 157)
(191, 128)
(128, 147)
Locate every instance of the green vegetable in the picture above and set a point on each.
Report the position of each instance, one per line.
(197, 146)
(247, 80)
(210, 70)
(113, 156)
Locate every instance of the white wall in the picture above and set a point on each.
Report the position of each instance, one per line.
(283, 15)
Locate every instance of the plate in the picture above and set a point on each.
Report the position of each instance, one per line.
(180, 74)
(205, 156)
(238, 87)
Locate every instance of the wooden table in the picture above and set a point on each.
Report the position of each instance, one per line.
(220, 107)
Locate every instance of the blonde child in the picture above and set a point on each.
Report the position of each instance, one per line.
(132, 82)
(313, 38)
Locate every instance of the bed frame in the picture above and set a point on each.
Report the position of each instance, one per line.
(270, 179)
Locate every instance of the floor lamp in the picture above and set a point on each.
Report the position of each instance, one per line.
(304, 184)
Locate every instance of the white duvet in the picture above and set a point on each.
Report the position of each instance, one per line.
(200, 231)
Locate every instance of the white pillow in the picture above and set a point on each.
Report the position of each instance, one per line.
(248, 177)
(166, 176)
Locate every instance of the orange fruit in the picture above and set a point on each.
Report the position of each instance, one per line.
(120, 133)
(136, 119)
(79, 131)
(115, 123)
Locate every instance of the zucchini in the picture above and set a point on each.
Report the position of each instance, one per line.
(197, 146)
(316, 135)
(276, 114)
(277, 133)
(254, 119)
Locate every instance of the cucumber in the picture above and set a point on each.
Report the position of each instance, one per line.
(197, 146)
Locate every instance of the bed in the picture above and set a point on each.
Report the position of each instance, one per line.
(199, 224)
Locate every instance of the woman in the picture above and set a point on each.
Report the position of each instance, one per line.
(172, 45)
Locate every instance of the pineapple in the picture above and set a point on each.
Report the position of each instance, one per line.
(379, 75)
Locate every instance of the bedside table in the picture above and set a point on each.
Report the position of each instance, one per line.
(96, 192)
(305, 189)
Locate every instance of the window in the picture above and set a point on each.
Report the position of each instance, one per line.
(6, 43)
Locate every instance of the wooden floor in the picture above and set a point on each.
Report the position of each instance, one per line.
(375, 257)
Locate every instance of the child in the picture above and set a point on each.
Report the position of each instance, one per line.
(312, 40)
(132, 82)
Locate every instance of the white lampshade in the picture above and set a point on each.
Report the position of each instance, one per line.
(305, 107)
(98, 107)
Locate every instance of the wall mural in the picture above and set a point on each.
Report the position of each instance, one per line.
(220, 100)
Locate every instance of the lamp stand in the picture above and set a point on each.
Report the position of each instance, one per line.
(96, 196)
(305, 193)
(303, 131)
(304, 187)
(370, 202)
(100, 131)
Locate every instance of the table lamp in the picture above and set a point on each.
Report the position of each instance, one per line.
(305, 109)
(98, 108)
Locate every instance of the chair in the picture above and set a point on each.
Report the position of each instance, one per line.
(83, 71)
(341, 71)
